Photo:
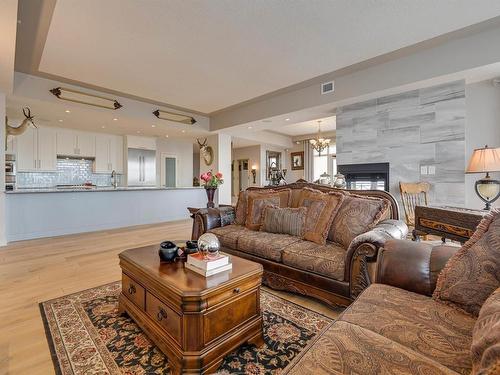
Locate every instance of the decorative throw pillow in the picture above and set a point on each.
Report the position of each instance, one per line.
(258, 199)
(284, 220)
(473, 273)
(321, 209)
(357, 214)
(485, 347)
(241, 208)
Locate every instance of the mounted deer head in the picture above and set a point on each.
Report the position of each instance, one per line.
(206, 151)
(11, 130)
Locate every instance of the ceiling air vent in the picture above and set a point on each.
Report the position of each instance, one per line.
(327, 87)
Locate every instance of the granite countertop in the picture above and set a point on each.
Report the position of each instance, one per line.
(95, 189)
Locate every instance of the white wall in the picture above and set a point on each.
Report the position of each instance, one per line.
(404, 70)
(8, 28)
(183, 151)
(256, 156)
(3, 237)
(482, 128)
(221, 146)
(252, 153)
(284, 161)
(196, 162)
(224, 166)
(293, 176)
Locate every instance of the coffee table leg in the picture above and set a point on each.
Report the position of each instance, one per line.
(257, 340)
(121, 307)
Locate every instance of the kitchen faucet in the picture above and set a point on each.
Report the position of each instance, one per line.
(114, 181)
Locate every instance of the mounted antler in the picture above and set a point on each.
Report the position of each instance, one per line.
(204, 144)
(11, 130)
(206, 151)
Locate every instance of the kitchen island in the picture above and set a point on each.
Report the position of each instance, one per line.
(46, 212)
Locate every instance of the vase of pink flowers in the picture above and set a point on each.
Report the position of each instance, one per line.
(211, 182)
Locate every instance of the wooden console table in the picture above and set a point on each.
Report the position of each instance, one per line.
(454, 223)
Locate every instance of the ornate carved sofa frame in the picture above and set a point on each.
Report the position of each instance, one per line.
(360, 259)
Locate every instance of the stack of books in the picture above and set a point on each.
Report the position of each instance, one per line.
(208, 267)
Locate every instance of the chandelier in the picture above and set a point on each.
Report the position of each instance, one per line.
(319, 143)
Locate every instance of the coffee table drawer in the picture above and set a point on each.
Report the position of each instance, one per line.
(133, 291)
(232, 293)
(228, 316)
(164, 316)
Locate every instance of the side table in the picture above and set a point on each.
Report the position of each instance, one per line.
(454, 223)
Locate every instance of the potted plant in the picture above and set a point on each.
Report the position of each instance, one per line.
(211, 182)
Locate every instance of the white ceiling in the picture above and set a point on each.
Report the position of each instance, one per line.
(328, 124)
(208, 55)
(89, 119)
(8, 24)
(133, 118)
(242, 142)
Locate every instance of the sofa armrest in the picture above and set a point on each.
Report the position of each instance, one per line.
(413, 266)
(208, 218)
(364, 249)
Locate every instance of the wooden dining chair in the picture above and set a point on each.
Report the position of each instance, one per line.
(413, 194)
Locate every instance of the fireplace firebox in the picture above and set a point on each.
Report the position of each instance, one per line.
(371, 176)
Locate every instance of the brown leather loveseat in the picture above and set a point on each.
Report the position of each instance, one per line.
(336, 271)
(433, 310)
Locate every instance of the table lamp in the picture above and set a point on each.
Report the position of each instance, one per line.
(486, 160)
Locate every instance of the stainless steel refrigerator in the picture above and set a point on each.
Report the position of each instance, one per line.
(141, 167)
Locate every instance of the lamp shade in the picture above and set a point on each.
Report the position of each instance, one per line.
(484, 160)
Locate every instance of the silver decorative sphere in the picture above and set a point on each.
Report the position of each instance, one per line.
(209, 244)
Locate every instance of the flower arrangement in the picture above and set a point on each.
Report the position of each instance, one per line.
(211, 180)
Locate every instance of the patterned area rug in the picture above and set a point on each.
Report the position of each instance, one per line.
(87, 336)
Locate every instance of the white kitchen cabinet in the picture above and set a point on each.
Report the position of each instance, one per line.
(101, 164)
(36, 150)
(26, 156)
(108, 154)
(116, 154)
(47, 155)
(143, 143)
(11, 145)
(74, 143)
(66, 142)
(85, 144)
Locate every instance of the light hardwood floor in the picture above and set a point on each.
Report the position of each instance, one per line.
(38, 270)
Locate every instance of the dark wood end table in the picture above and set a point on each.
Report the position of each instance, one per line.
(454, 223)
(196, 321)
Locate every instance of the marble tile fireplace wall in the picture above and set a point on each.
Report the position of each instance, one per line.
(417, 132)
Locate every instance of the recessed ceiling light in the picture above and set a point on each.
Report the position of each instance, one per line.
(60, 120)
(115, 119)
(166, 136)
(67, 111)
(103, 126)
(298, 143)
(183, 131)
(287, 119)
(138, 132)
(153, 126)
(249, 127)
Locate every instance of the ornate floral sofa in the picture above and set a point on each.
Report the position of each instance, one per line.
(335, 271)
(433, 310)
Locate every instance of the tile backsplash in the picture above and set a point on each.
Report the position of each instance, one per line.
(69, 172)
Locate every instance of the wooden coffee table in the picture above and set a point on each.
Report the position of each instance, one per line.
(194, 320)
